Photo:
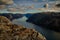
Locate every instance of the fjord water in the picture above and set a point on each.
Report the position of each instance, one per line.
(49, 34)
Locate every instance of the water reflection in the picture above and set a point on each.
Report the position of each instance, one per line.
(49, 34)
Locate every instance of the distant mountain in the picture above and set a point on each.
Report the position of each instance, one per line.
(11, 16)
(28, 15)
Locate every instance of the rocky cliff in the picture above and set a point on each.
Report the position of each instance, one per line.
(9, 31)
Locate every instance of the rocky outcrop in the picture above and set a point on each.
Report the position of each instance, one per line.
(4, 20)
(48, 20)
(9, 31)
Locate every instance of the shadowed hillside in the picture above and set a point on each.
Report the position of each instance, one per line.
(11, 16)
(49, 20)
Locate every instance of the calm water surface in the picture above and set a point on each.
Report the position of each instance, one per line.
(49, 34)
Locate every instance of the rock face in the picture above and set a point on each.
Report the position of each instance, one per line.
(14, 32)
(4, 20)
(47, 20)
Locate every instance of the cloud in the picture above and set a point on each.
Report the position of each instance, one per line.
(3, 3)
(6, 2)
(12, 9)
(15, 9)
(2, 6)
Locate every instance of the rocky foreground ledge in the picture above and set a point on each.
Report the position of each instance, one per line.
(9, 31)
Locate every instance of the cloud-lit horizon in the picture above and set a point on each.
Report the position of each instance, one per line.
(24, 5)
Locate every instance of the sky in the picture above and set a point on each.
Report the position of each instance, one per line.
(23, 5)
